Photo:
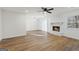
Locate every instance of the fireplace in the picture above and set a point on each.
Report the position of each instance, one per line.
(56, 28)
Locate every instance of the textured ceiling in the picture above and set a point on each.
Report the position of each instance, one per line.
(57, 10)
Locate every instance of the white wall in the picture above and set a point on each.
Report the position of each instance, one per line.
(71, 32)
(13, 24)
(36, 21)
(0, 26)
(65, 31)
(44, 25)
(16, 24)
(31, 22)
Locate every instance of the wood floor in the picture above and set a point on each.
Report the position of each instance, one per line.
(40, 41)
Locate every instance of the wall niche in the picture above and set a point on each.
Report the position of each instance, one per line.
(73, 22)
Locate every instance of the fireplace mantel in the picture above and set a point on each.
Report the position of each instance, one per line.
(56, 23)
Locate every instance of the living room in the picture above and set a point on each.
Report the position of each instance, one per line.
(39, 26)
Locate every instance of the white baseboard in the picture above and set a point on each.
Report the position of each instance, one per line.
(13, 36)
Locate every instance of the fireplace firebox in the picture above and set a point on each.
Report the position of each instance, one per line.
(56, 28)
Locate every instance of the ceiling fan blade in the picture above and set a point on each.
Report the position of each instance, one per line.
(51, 9)
(49, 12)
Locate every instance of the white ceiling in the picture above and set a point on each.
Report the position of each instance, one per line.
(57, 10)
(60, 10)
(22, 9)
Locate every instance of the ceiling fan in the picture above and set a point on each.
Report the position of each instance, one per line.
(47, 9)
